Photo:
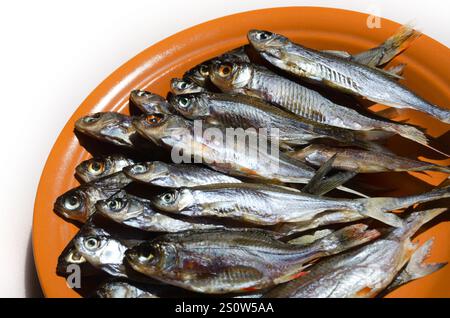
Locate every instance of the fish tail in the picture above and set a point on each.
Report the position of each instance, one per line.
(414, 134)
(344, 239)
(417, 267)
(398, 42)
(378, 208)
(416, 220)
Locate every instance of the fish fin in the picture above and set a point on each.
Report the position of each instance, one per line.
(416, 220)
(344, 239)
(242, 277)
(336, 181)
(390, 48)
(416, 268)
(310, 238)
(389, 113)
(313, 186)
(341, 54)
(394, 76)
(399, 42)
(368, 145)
(374, 135)
(414, 134)
(397, 69)
(364, 292)
(320, 186)
(290, 276)
(375, 209)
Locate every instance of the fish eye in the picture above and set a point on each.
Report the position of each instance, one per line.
(139, 169)
(225, 70)
(92, 118)
(96, 167)
(184, 102)
(141, 93)
(154, 119)
(146, 257)
(72, 202)
(91, 243)
(204, 70)
(115, 204)
(262, 36)
(74, 257)
(168, 197)
(182, 85)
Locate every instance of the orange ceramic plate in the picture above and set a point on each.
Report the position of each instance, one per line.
(427, 73)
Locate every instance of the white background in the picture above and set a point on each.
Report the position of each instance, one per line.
(53, 53)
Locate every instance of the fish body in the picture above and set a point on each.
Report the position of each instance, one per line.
(99, 167)
(168, 175)
(366, 271)
(241, 159)
(268, 205)
(138, 213)
(78, 204)
(253, 203)
(149, 103)
(343, 74)
(248, 112)
(362, 161)
(222, 261)
(112, 127)
(307, 103)
(123, 289)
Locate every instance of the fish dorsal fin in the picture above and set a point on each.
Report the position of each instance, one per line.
(341, 54)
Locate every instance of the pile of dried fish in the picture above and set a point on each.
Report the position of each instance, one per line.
(234, 220)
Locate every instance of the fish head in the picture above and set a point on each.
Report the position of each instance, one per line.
(94, 168)
(152, 258)
(268, 42)
(162, 128)
(67, 258)
(174, 200)
(149, 103)
(199, 74)
(192, 106)
(120, 207)
(184, 86)
(73, 205)
(148, 172)
(113, 127)
(98, 247)
(230, 76)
